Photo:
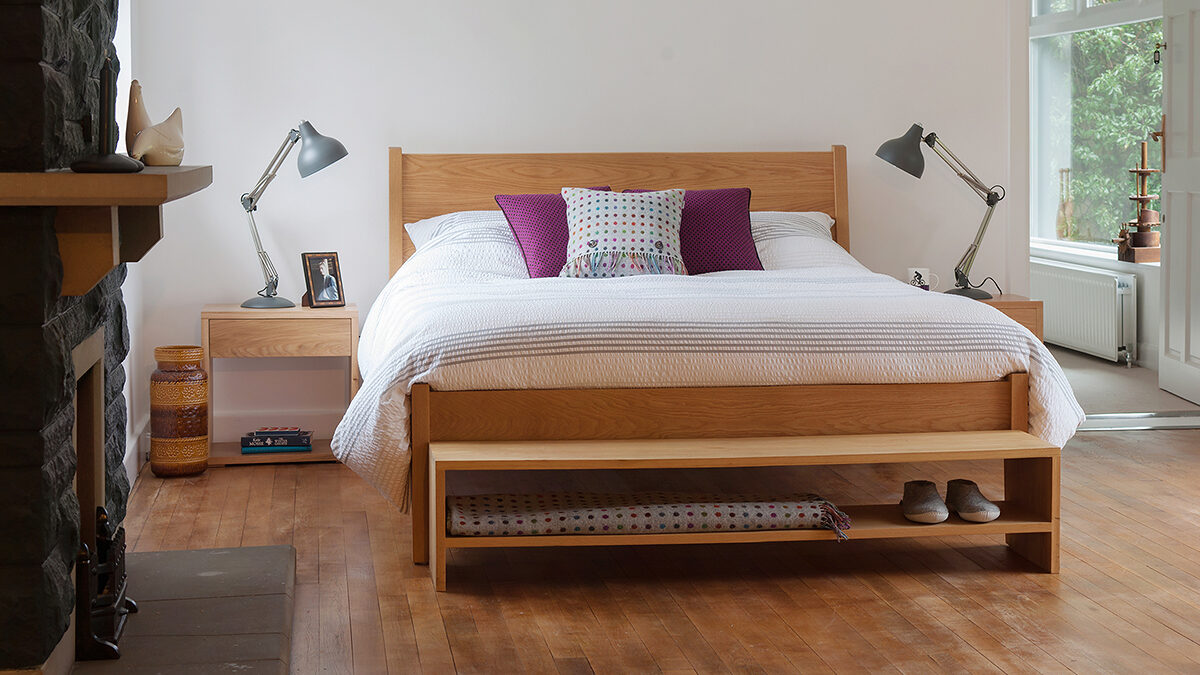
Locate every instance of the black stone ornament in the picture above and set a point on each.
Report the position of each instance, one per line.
(108, 161)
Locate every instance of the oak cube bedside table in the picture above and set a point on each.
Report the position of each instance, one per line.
(232, 332)
(1021, 309)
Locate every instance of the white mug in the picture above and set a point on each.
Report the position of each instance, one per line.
(921, 278)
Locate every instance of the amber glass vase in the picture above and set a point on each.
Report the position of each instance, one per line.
(179, 412)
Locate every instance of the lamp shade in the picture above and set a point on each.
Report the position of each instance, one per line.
(905, 152)
(317, 151)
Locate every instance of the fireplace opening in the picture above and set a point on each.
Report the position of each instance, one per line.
(101, 603)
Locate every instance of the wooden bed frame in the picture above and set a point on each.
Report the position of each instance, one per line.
(422, 186)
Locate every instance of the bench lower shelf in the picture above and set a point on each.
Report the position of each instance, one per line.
(872, 521)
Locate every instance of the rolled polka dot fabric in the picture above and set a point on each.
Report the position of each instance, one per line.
(499, 515)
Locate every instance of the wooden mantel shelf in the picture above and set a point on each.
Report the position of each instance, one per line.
(103, 219)
(152, 186)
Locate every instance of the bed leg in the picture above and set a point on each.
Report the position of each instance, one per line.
(1033, 486)
(419, 437)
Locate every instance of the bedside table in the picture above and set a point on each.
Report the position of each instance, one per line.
(1021, 309)
(232, 331)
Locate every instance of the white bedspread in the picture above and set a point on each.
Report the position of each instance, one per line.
(459, 315)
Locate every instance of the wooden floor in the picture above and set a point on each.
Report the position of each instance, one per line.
(1127, 600)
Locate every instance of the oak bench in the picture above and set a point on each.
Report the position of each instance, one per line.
(1029, 512)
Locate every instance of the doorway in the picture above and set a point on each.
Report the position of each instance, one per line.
(1098, 93)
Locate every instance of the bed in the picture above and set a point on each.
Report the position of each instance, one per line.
(777, 377)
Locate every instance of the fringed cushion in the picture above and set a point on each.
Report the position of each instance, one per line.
(637, 513)
(622, 235)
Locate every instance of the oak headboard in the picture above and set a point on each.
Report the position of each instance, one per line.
(423, 186)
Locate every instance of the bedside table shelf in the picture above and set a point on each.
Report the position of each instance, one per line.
(234, 332)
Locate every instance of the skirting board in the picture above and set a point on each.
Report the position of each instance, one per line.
(137, 452)
(1148, 356)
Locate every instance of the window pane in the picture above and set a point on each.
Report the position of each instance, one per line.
(1041, 7)
(1097, 94)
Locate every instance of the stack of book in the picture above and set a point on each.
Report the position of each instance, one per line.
(277, 439)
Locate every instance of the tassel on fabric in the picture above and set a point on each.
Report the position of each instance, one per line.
(609, 264)
(834, 519)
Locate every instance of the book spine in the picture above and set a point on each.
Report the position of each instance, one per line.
(277, 448)
(268, 441)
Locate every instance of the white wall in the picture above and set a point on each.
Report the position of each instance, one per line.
(617, 75)
(135, 396)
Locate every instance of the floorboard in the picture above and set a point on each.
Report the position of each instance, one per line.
(1127, 600)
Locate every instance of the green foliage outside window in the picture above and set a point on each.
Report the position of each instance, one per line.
(1116, 101)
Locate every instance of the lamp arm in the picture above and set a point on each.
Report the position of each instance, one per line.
(990, 195)
(250, 204)
(250, 199)
(957, 165)
(962, 271)
(270, 276)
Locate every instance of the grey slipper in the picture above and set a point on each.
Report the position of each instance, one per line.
(964, 498)
(921, 503)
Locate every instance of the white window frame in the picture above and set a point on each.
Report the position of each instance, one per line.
(1083, 16)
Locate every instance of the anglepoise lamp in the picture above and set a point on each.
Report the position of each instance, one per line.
(905, 153)
(316, 153)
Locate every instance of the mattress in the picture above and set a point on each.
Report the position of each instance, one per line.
(461, 314)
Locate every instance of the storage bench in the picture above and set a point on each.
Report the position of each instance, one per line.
(1029, 512)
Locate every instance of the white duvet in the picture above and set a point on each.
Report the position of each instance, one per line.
(461, 314)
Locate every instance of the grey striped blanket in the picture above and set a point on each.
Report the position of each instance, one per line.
(461, 314)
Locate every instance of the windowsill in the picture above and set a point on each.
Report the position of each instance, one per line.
(1105, 258)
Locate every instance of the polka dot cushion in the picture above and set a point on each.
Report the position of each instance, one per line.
(539, 222)
(622, 234)
(714, 234)
(636, 513)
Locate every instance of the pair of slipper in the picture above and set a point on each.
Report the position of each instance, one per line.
(921, 503)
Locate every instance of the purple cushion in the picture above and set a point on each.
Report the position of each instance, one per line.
(539, 222)
(714, 235)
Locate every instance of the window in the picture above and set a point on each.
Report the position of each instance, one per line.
(1096, 94)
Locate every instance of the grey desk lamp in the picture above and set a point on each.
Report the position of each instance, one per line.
(905, 153)
(316, 153)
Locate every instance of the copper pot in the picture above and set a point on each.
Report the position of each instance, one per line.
(179, 412)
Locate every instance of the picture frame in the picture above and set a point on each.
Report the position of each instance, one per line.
(323, 279)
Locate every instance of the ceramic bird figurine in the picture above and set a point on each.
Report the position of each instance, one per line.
(137, 119)
(157, 145)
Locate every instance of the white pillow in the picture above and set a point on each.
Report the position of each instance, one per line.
(795, 240)
(422, 231)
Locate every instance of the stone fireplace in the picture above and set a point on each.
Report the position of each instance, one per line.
(51, 52)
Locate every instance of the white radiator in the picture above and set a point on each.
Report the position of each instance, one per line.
(1087, 309)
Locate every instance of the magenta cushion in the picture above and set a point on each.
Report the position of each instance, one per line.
(714, 235)
(539, 222)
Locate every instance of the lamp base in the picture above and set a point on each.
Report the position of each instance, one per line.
(273, 302)
(974, 293)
